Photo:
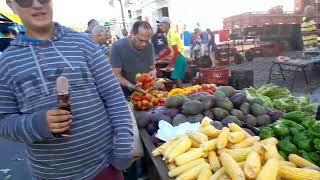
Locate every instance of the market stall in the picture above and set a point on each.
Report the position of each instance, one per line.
(212, 131)
(299, 64)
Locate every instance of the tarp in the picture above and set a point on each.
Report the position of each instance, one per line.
(10, 17)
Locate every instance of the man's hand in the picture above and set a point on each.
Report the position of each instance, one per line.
(59, 121)
(136, 87)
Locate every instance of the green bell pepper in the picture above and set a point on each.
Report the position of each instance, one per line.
(315, 157)
(296, 116)
(280, 130)
(266, 132)
(315, 129)
(284, 155)
(286, 146)
(316, 143)
(305, 155)
(308, 122)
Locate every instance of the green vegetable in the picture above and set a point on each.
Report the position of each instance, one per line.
(284, 155)
(266, 132)
(296, 116)
(315, 157)
(273, 92)
(280, 130)
(315, 129)
(305, 155)
(286, 104)
(308, 122)
(286, 146)
(303, 140)
(316, 143)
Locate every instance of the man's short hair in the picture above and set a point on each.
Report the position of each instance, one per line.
(92, 21)
(99, 30)
(140, 24)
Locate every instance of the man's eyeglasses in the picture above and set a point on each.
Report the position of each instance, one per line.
(28, 3)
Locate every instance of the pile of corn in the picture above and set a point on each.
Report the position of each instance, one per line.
(230, 153)
(185, 91)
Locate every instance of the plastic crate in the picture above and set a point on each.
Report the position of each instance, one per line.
(217, 75)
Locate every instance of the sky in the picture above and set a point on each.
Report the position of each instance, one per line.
(78, 12)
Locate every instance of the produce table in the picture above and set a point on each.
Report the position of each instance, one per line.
(159, 164)
(298, 63)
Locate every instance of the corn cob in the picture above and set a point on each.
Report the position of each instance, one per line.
(189, 156)
(270, 170)
(195, 143)
(272, 152)
(171, 166)
(205, 155)
(223, 137)
(234, 128)
(246, 143)
(214, 161)
(271, 140)
(181, 147)
(193, 172)
(225, 177)
(197, 136)
(204, 174)
(232, 167)
(218, 174)
(206, 122)
(236, 137)
(210, 131)
(179, 170)
(252, 165)
(299, 161)
(293, 173)
(159, 150)
(287, 163)
(209, 145)
(168, 150)
(238, 154)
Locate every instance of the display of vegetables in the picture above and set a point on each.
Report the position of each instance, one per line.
(209, 88)
(297, 133)
(280, 99)
(230, 153)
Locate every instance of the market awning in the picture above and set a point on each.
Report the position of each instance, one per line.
(7, 17)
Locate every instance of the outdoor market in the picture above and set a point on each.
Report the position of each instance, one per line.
(148, 99)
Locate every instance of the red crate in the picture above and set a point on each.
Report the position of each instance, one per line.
(217, 75)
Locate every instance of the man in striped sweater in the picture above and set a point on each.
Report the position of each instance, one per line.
(101, 136)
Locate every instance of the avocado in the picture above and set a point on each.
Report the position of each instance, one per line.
(257, 109)
(263, 120)
(196, 96)
(209, 114)
(192, 107)
(156, 117)
(208, 101)
(238, 99)
(237, 113)
(219, 113)
(219, 94)
(250, 120)
(142, 117)
(224, 104)
(195, 118)
(227, 90)
(231, 119)
(176, 101)
(179, 119)
(217, 124)
(245, 108)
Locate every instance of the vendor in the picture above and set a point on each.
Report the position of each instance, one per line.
(178, 61)
(309, 28)
(133, 55)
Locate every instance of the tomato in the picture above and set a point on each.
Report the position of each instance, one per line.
(209, 91)
(205, 86)
(144, 102)
(161, 100)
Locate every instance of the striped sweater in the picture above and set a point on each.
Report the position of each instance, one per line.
(101, 130)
